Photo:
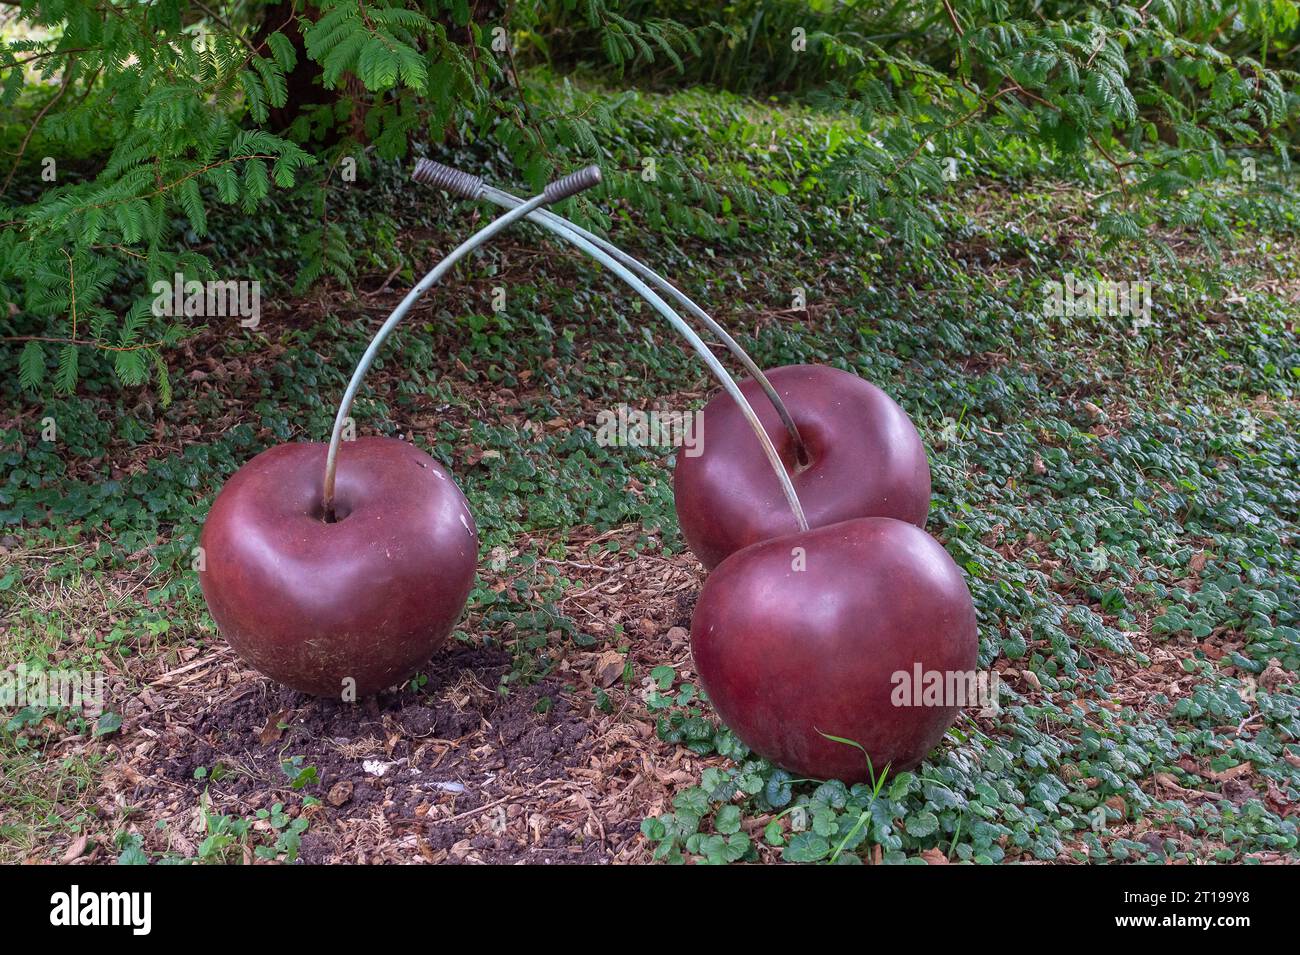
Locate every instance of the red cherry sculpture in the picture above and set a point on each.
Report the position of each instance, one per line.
(368, 597)
(787, 655)
(865, 459)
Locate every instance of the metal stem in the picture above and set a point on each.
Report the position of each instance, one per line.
(572, 234)
(506, 200)
(438, 271)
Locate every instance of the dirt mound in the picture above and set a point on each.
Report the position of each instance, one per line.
(434, 771)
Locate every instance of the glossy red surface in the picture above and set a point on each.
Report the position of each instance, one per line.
(867, 460)
(369, 597)
(787, 655)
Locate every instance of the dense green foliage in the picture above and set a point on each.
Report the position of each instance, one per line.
(129, 124)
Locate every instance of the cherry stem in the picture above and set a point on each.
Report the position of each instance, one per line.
(468, 187)
(502, 198)
(605, 253)
(663, 285)
(367, 359)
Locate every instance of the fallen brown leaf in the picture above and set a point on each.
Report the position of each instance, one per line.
(1119, 805)
(1240, 769)
(609, 668)
(77, 849)
(274, 727)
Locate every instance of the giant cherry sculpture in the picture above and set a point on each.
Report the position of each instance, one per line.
(345, 585)
(351, 605)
